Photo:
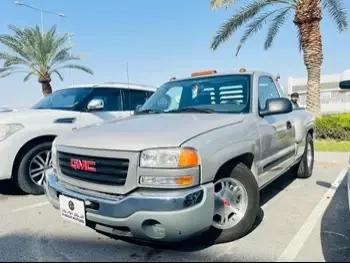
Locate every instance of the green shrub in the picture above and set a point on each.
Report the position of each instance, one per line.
(333, 127)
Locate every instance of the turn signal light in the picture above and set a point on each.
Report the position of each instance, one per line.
(203, 73)
(188, 158)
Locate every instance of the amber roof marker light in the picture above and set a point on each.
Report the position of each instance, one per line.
(203, 73)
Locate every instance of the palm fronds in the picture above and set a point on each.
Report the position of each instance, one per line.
(37, 54)
(276, 18)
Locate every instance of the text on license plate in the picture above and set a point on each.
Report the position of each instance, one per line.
(72, 210)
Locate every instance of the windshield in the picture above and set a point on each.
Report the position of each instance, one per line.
(65, 99)
(220, 94)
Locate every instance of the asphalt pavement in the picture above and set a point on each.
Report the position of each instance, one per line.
(300, 220)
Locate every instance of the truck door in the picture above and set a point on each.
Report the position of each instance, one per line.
(276, 134)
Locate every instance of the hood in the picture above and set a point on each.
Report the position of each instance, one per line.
(147, 131)
(31, 115)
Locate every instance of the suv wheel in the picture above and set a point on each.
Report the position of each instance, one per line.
(237, 203)
(31, 170)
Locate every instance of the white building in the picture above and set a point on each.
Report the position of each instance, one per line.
(333, 99)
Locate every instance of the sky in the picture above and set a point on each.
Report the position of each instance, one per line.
(158, 39)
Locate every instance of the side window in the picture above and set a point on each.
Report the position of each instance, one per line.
(111, 98)
(267, 90)
(133, 98)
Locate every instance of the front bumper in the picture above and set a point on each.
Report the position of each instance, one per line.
(153, 215)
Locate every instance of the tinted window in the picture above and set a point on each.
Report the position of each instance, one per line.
(111, 98)
(65, 99)
(267, 90)
(222, 94)
(134, 98)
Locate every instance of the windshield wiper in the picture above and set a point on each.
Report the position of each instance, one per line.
(192, 109)
(148, 111)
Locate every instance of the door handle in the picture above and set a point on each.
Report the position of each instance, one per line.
(289, 125)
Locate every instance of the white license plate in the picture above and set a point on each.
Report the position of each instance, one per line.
(72, 210)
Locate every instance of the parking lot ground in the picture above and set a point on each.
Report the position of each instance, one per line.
(299, 220)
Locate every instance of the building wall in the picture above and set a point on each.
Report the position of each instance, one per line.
(333, 99)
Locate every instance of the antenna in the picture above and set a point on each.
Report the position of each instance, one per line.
(127, 72)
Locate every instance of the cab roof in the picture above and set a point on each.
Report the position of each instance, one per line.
(119, 85)
(214, 73)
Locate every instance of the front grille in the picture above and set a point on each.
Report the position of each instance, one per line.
(111, 171)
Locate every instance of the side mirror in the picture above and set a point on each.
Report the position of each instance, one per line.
(345, 80)
(95, 104)
(277, 106)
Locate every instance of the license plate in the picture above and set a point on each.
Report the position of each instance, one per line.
(72, 210)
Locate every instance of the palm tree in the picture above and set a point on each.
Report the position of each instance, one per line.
(37, 54)
(307, 18)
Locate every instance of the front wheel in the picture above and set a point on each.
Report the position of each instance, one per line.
(237, 203)
(32, 167)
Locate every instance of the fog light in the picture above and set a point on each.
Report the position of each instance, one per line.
(186, 180)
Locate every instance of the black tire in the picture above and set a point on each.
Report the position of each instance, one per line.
(22, 177)
(302, 170)
(243, 174)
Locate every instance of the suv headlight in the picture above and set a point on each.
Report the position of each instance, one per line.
(6, 130)
(169, 158)
(54, 154)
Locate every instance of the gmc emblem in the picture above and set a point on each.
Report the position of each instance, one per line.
(88, 166)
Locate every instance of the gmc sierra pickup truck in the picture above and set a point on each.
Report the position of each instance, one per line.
(190, 162)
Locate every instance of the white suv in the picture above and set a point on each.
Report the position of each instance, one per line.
(26, 135)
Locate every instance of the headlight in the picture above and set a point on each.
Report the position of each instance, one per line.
(169, 158)
(6, 130)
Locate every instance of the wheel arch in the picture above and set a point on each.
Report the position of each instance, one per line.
(311, 132)
(245, 158)
(31, 143)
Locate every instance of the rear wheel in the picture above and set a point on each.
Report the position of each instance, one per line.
(305, 166)
(32, 167)
(237, 203)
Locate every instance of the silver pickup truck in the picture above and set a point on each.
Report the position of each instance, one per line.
(190, 162)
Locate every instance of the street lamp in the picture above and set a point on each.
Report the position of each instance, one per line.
(41, 13)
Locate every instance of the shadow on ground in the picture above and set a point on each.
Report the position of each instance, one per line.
(22, 247)
(277, 186)
(335, 227)
(8, 187)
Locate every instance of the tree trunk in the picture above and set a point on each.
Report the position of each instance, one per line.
(307, 18)
(45, 80)
(46, 88)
